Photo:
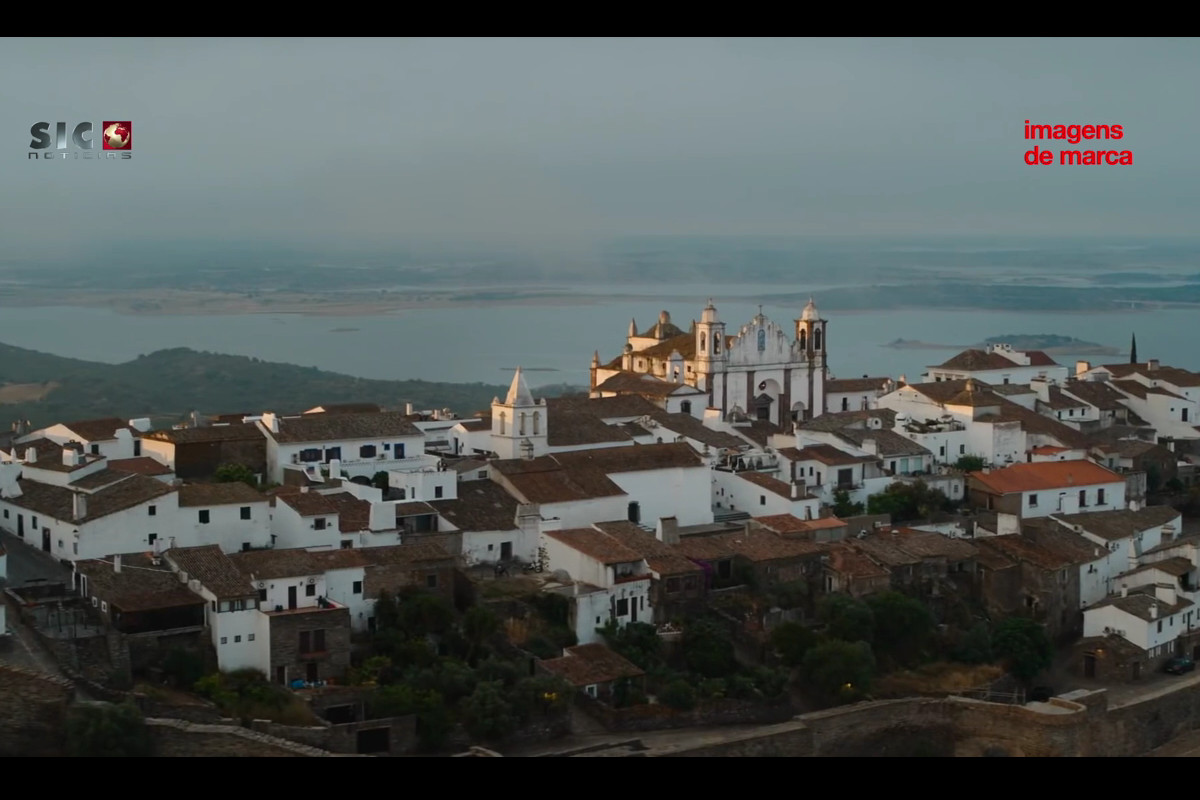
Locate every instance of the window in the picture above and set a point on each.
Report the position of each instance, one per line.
(310, 590)
(962, 449)
(152, 511)
(262, 595)
(1033, 501)
(942, 450)
(245, 546)
(398, 450)
(357, 587)
(237, 639)
(104, 608)
(6, 512)
(224, 640)
(366, 451)
(318, 641)
(250, 638)
(724, 569)
(347, 544)
(762, 499)
(245, 512)
(1100, 497)
(332, 453)
(152, 538)
(319, 523)
(204, 517)
(673, 585)
(622, 608)
(1083, 498)
(482, 474)
(311, 454)
(437, 491)
(431, 581)
(33, 522)
(1160, 626)
(239, 605)
(75, 548)
(95, 449)
(137, 447)
(306, 641)
(845, 404)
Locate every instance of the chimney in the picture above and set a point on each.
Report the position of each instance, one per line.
(1082, 367)
(79, 505)
(903, 380)
(1124, 590)
(30, 455)
(271, 421)
(408, 409)
(668, 530)
(1168, 533)
(795, 490)
(303, 490)
(1152, 365)
(869, 446)
(1165, 593)
(171, 540)
(1154, 611)
(335, 468)
(117, 563)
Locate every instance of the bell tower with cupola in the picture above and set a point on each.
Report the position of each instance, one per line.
(812, 346)
(519, 424)
(711, 358)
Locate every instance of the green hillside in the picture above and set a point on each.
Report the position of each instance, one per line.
(170, 383)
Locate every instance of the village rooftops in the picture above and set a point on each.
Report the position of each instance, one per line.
(141, 465)
(480, 506)
(265, 565)
(840, 420)
(789, 524)
(235, 493)
(1017, 548)
(213, 569)
(342, 427)
(1064, 542)
(591, 664)
(752, 543)
(771, 484)
(98, 430)
(141, 585)
(1121, 523)
(758, 431)
(99, 479)
(571, 424)
(345, 408)
(887, 442)
(1142, 391)
(48, 455)
(853, 562)
(644, 385)
(843, 385)
(1154, 371)
(1176, 567)
(211, 433)
(981, 360)
(308, 504)
(354, 514)
(659, 556)
(825, 454)
(596, 544)
(1045, 476)
(1143, 604)
(58, 502)
(692, 428)
(583, 474)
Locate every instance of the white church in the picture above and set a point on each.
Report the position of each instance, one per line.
(765, 371)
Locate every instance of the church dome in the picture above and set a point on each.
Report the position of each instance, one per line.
(810, 312)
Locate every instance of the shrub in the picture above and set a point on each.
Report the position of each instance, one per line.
(679, 695)
(103, 730)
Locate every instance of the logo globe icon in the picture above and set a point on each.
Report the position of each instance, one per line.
(117, 135)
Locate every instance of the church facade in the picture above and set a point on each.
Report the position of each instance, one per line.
(765, 370)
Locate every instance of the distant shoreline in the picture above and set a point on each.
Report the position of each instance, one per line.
(1080, 349)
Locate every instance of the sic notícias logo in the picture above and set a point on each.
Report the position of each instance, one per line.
(116, 138)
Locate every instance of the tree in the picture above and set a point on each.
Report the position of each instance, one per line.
(380, 480)
(478, 625)
(975, 646)
(104, 730)
(679, 695)
(903, 628)
(1024, 647)
(846, 618)
(969, 463)
(636, 641)
(433, 718)
(905, 501)
(792, 641)
(540, 696)
(840, 670)
(707, 650)
(235, 473)
(842, 507)
(487, 714)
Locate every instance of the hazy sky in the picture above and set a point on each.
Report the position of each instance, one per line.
(562, 141)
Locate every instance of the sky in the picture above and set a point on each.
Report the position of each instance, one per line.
(560, 143)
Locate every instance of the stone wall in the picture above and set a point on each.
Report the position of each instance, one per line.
(33, 712)
(660, 717)
(285, 642)
(174, 738)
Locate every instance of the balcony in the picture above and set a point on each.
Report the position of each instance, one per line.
(322, 605)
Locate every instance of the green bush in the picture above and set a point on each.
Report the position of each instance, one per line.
(103, 730)
(487, 713)
(679, 695)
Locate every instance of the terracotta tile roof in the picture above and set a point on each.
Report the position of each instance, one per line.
(629, 406)
(752, 543)
(1133, 448)
(591, 664)
(843, 385)
(212, 568)
(354, 515)
(308, 504)
(889, 443)
(543, 480)
(926, 544)
(571, 424)
(848, 560)
(659, 556)
(414, 508)
(480, 506)
(1173, 375)
(1037, 358)
(643, 384)
(684, 344)
(219, 494)
(461, 465)
(758, 431)
(139, 586)
(342, 558)
(1176, 567)
(824, 453)
(142, 465)
(785, 524)
(1060, 401)
(975, 394)
(1017, 548)
(596, 545)
(674, 455)
(994, 559)
(663, 329)
(1141, 391)
(1122, 523)
(211, 433)
(883, 548)
(1066, 543)
(840, 420)
(266, 565)
(98, 430)
(771, 484)
(692, 428)
(99, 479)
(57, 502)
(476, 425)
(1045, 476)
(414, 553)
(1010, 389)
(344, 427)
(1048, 450)
(1099, 394)
(49, 455)
(976, 361)
(1143, 605)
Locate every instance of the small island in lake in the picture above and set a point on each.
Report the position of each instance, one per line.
(1048, 343)
(344, 330)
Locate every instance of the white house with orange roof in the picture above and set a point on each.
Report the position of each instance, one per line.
(1047, 488)
(998, 363)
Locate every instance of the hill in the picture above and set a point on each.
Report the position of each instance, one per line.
(169, 384)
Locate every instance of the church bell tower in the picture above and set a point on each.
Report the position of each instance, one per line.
(710, 352)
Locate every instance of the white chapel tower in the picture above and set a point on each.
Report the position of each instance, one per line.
(710, 353)
(812, 344)
(519, 424)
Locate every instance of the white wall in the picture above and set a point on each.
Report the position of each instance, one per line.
(588, 609)
(225, 526)
(731, 491)
(228, 626)
(1066, 500)
(1145, 635)
(484, 547)
(681, 492)
(425, 482)
(126, 531)
(352, 463)
(292, 530)
(339, 583)
(582, 513)
(579, 566)
(277, 590)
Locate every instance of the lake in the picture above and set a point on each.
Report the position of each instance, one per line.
(468, 344)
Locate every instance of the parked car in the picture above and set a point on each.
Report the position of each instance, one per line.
(1179, 665)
